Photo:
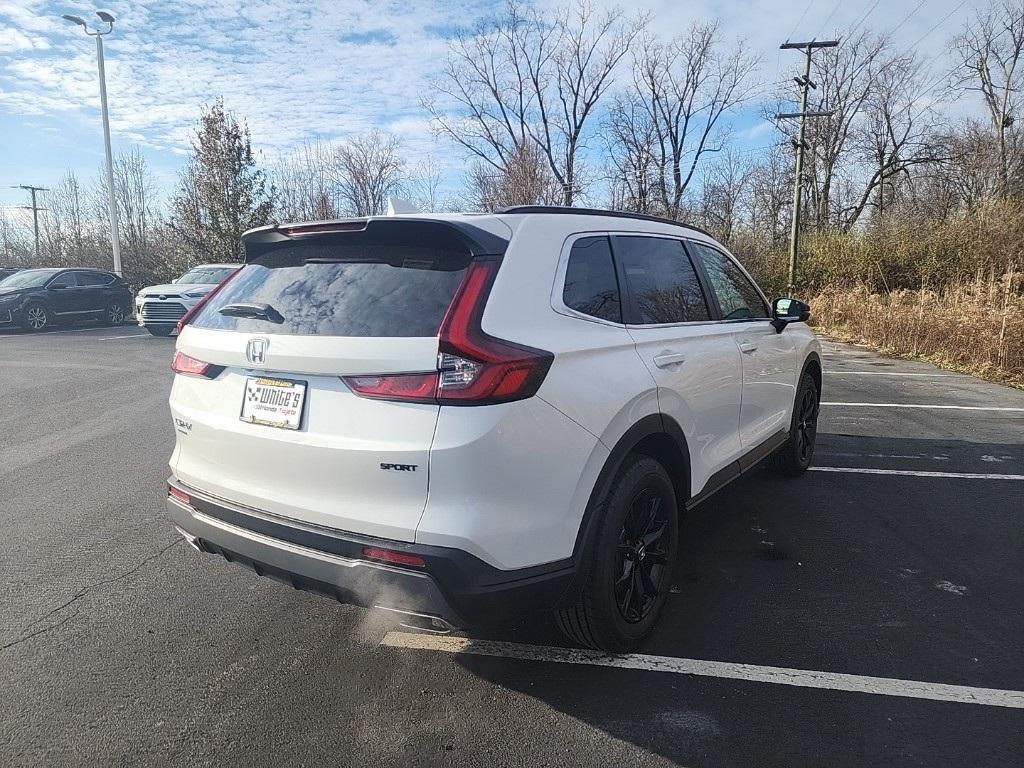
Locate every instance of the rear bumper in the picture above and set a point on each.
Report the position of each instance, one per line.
(454, 591)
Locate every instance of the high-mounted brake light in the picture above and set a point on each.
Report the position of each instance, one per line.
(391, 556)
(474, 368)
(190, 315)
(189, 366)
(326, 228)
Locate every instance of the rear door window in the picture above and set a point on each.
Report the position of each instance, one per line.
(64, 280)
(662, 283)
(94, 278)
(738, 299)
(591, 287)
(340, 286)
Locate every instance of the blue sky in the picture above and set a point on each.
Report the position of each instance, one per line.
(318, 68)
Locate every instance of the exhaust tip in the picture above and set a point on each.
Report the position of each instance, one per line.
(192, 540)
(422, 622)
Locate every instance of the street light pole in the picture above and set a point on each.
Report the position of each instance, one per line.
(115, 240)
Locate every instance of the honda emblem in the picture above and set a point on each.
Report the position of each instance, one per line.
(256, 350)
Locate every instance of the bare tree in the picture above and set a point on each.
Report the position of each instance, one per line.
(525, 179)
(682, 91)
(892, 138)
(66, 222)
(846, 77)
(724, 192)
(536, 78)
(423, 187)
(632, 146)
(990, 50)
(305, 183)
(368, 169)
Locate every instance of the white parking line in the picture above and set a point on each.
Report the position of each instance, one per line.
(891, 373)
(926, 406)
(836, 681)
(128, 336)
(919, 473)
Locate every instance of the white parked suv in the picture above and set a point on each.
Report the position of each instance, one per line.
(453, 416)
(158, 308)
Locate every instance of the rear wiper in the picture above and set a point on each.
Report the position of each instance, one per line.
(253, 311)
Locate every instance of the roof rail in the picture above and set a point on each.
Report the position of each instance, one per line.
(599, 212)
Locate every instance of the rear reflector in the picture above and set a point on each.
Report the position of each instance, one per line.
(179, 494)
(390, 556)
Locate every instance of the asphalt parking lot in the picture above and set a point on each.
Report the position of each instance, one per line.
(888, 586)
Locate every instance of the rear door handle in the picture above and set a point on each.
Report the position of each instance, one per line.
(666, 359)
(748, 347)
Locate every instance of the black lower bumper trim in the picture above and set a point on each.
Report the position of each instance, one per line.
(476, 590)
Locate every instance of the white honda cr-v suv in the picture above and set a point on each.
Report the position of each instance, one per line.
(452, 416)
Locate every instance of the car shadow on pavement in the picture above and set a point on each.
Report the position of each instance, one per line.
(909, 577)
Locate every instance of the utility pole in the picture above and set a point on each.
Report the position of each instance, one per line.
(800, 145)
(35, 210)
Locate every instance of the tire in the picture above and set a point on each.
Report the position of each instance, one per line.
(114, 314)
(160, 330)
(36, 317)
(634, 553)
(794, 457)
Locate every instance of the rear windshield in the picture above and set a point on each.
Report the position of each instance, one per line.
(326, 287)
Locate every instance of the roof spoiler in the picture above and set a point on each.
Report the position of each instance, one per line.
(409, 229)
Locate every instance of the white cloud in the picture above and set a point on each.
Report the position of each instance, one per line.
(331, 68)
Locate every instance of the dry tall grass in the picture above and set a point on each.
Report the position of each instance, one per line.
(948, 290)
(975, 327)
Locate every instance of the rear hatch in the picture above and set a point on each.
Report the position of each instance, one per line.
(271, 423)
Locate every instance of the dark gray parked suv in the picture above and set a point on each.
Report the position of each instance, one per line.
(38, 298)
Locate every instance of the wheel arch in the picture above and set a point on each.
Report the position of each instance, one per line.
(656, 435)
(812, 365)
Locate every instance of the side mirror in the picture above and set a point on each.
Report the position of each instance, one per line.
(786, 311)
(57, 287)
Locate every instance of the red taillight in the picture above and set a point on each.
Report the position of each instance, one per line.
(188, 316)
(390, 556)
(474, 368)
(410, 387)
(477, 368)
(179, 494)
(189, 366)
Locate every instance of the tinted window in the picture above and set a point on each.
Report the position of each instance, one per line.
(737, 296)
(65, 280)
(326, 287)
(590, 283)
(29, 278)
(662, 284)
(94, 278)
(206, 275)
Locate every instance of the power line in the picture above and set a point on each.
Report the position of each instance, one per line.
(939, 23)
(829, 17)
(862, 19)
(802, 15)
(907, 17)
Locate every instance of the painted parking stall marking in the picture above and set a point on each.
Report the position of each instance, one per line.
(918, 473)
(926, 406)
(801, 678)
